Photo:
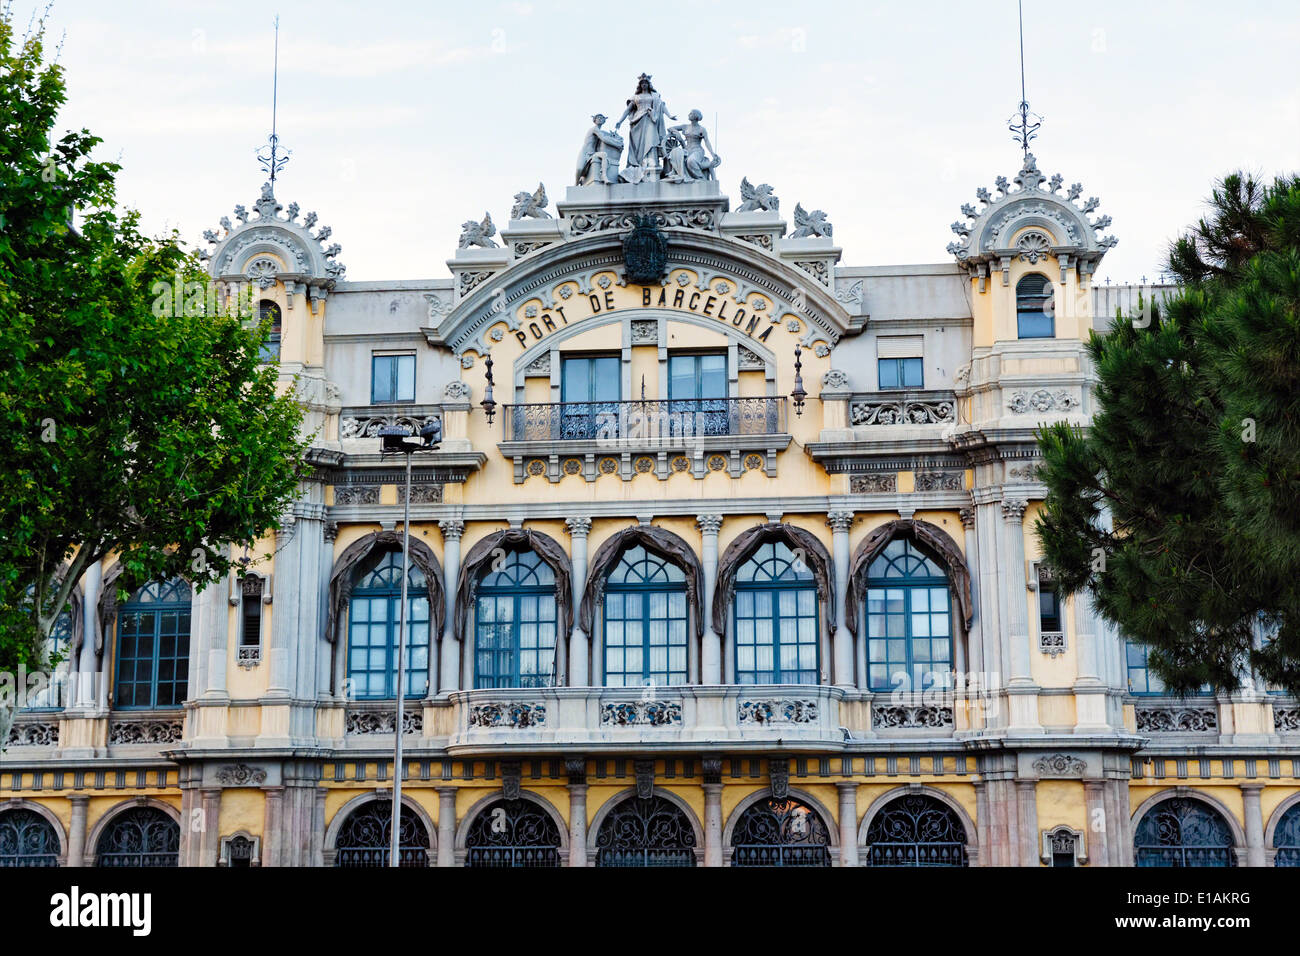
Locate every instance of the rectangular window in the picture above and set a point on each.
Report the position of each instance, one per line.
(697, 376)
(900, 373)
(392, 379)
(250, 631)
(1049, 608)
(590, 387)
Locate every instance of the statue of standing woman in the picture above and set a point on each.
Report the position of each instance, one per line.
(646, 131)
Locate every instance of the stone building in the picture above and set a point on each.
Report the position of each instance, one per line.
(734, 565)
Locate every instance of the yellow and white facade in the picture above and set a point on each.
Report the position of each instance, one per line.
(777, 687)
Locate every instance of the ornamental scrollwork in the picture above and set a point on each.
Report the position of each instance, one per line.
(1165, 720)
(869, 484)
(1041, 400)
(507, 714)
(789, 710)
(902, 411)
(939, 481)
(383, 722)
(1059, 765)
(686, 218)
(145, 731)
(650, 713)
(368, 425)
(356, 494)
(241, 775)
(1052, 643)
(39, 734)
(903, 717)
(1286, 719)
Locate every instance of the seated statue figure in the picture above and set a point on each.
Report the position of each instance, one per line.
(598, 159)
(687, 159)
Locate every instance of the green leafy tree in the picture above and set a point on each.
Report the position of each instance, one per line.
(1179, 507)
(133, 422)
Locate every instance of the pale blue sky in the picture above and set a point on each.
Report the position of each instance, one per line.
(406, 119)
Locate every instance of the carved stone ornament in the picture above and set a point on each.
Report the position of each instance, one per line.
(835, 379)
(478, 233)
(939, 481)
(425, 493)
(241, 775)
(511, 779)
(383, 721)
(903, 717)
(33, 734)
(1286, 720)
(645, 331)
(1052, 643)
(1168, 720)
(786, 710)
(145, 731)
(648, 713)
(517, 715)
(456, 391)
(356, 494)
(758, 198)
(645, 252)
(902, 411)
(779, 774)
(1034, 247)
(748, 360)
(1041, 400)
(1059, 765)
(711, 768)
(645, 779)
(368, 425)
(809, 224)
(873, 484)
(530, 205)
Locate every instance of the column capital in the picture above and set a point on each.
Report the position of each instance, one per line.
(967, 516)
(847, 786)
(331, 530)
(579, 526)
(839, 521)
(575, 768)
(446, 791)
(452, 529)
(1254, 786)
(709, 524)
(1013, 509)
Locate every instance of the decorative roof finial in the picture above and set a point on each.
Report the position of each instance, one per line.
(269, 155)
(1024, 124)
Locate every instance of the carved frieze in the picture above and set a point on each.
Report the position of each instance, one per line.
(33, 734)
(780, 710)
(241, 775)
(383, 721)
(1041, 400)
(516, 714)
(940, 481)
(356, 494)
(145, 731)
(902, 411)
(904, 717)
(1166, 720)
(367, 425)
(873, 484)
(649, 713)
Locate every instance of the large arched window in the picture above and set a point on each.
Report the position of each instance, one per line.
(515, 623)
(268, 313)
(141, 836)
(776, 832)
(27, 839)
(909, 620)
(153, 646)
(646, 832)
(916, 830)
(1183, 832)
(366, 837)
(509, 833)
(645, 621)
(374, 619)
(1035, 314)
(1286, 838)
(775, 618)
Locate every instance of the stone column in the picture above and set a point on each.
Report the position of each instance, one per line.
(208, 839)
(272, 816)
(577, 824)
(840, 522)
(982, 837)
(1021, 691)
(1096, 826)
(711, 652)
(848, 823)
(77, 829)
(88, 668)
(1027, 840)
(449, 647)
(713, 824)
(579, 654)
(1254, 823)
(446, 826)
(974, 652)
(1089, 687)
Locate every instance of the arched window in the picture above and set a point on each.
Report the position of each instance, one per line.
(153, 646)
(1183, 832)
(514, 623)
(916, 830)
(909, 620)
(775, 618)
(366, 837)
(650, 832)
(645, 621)
(1286, 838)
(513, 833)
(1035, 311)
(27, 839)
(141, 836)
(268, 313)
(374, 619)
(780, 833)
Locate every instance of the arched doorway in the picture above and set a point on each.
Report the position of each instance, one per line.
(141, 836)
(785, 832)
(916, 830)
(645, 832)
(1183, 831)
(365, 839)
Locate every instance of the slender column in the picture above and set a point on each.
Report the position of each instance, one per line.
(840, 522)
(449, 671)
(272, 837)
(1013, 510)
(284, 621)
(986, 531)
(982, 824)
(579, 655)
(577, 824)
(77, 830)
(713, 824)
(212, 624)
(211, 802)
(1027, 818)
(848, 823)
(92, 583)
(1254, 823)
(446, 826)
(711, 652)
(1096, 826)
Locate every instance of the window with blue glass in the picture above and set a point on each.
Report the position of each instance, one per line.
(515, 623)
(775, 618)
(1035, 314)
(909, 620)
(589, 387)
(1183, 832)
(900, 373)
(392, 379)
(1142, 678)
(153, 646)
(1286, 838)
(268, 314)
(645, 621)
(374, 619)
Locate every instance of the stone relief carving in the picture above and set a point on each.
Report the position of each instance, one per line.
(530, 205)
(748, 360)
(817, 268)
(383, 721)
(645, 778)
(1041, 400)
(686, 218)
(356, 494)
(539, 366)
(809, 224)
(456, 391)
(523, 247)
(1034, 247)
(478, 233)
(1286, 719)
(761, 239)
(248, 657)
(145, 731)
(507, 714)
(467, 282)
(650, 713)
(872, 484)
(758, 198)
(241, 775)
(1158, 720)
(902, 411)
(1059, 765)
(33, 734)
(645, 331)
(835, 379)
(368, 426)
(779, 777)
(850, 295)
(902, 717)
(262, 270)
(425, 493)
(939, 481)
(781, 710)
(1025, 472)
(1052, 643)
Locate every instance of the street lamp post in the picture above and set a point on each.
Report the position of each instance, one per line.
(398, 441)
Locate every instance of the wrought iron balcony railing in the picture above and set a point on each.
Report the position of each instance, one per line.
(659, 419)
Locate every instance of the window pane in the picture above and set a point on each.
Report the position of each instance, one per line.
(405, 378)
(888, 369)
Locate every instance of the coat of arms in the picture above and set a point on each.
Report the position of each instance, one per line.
(645, 252)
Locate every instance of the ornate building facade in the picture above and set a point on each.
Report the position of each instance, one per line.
(725, 557)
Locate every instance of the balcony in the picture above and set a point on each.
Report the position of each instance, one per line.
(795, 716)
(903, 408)
(659, 436)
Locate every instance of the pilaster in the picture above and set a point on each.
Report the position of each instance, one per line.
(711, 652)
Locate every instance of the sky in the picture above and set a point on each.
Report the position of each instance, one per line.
(406, 119)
